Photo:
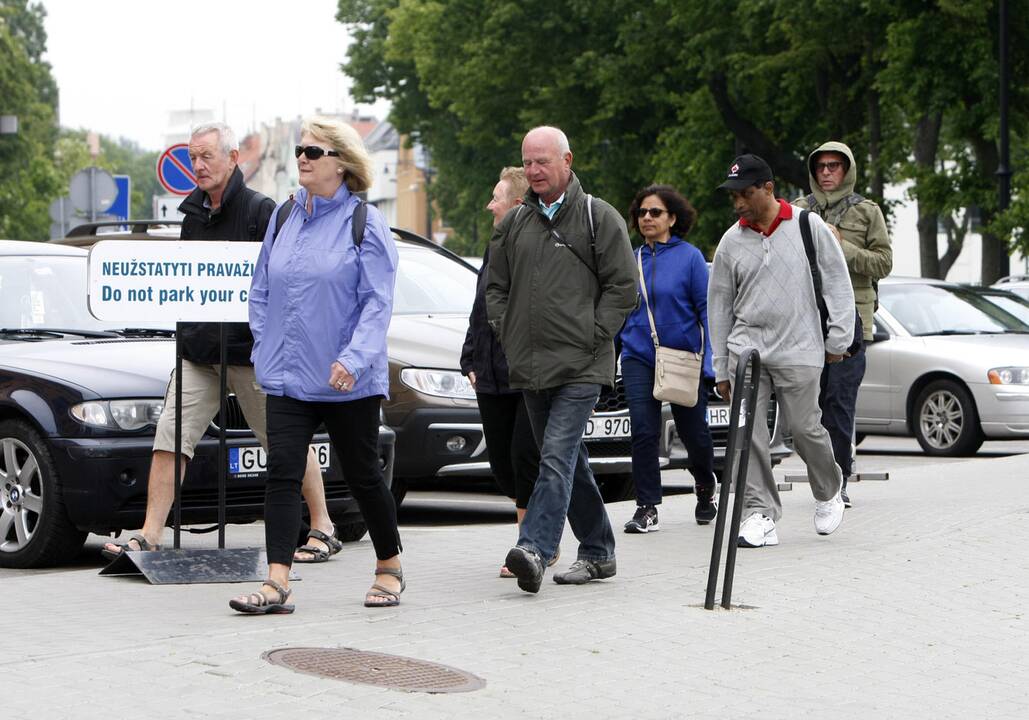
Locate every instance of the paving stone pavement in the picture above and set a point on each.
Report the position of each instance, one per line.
(915, 608)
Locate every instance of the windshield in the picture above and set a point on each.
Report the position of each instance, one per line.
(1009, 302)
(47, 291)
(431, 283)
(941, 310)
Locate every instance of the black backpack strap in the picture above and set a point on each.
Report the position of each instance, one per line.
(254, 216)
(282, 215)
(816, 275)
(360, 219)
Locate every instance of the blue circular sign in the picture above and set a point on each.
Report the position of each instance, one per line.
(175, 170)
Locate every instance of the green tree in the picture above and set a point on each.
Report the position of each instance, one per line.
(28, 180)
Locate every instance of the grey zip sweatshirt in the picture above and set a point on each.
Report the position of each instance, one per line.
(761, 295)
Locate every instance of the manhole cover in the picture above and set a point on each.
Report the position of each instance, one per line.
(369, 668)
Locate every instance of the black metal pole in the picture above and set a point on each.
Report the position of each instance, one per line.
(223, 459)
(177, 515)
(723, 501)
(751, 361)
(1004, 168)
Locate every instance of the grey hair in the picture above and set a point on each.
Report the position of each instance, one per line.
(562, 139)
(226, 138)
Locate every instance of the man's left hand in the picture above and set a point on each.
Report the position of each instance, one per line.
(340, 378)
(830, 358)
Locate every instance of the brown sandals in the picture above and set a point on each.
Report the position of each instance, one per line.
(258, 603)
(378, 591)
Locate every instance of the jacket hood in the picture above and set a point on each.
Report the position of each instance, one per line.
(824, 199)
(194, 202)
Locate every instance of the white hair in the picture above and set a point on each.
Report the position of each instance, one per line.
(226, 138)
(562, 139)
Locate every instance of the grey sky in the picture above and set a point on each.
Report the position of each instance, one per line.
(121, 65)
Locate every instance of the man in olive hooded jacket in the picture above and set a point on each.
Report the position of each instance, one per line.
(562, 279)
(860, 228)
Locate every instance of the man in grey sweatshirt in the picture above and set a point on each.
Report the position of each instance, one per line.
(761, 295)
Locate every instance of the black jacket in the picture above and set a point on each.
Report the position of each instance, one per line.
(243, 216)
(481, 353)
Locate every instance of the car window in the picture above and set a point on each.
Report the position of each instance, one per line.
(924, 309)
(48, 291)
(428, 283)
(1009, 303)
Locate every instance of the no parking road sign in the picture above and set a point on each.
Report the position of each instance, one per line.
(175, 170)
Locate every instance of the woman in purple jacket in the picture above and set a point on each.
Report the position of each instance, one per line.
(320, 305)
(676, 277)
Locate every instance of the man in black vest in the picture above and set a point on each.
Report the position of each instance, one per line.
(221, 208)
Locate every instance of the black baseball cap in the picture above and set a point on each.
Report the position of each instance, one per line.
(746, 170)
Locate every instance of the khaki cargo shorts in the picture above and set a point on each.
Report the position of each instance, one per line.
(200, 405)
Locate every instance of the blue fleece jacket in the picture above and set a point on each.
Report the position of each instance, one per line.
(676, 274)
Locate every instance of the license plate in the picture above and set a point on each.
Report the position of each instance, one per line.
(608, 427)
(718, 416)
(254, 461)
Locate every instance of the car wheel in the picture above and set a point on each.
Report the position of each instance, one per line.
(351, 531)
(946, 421)
(616, 487)
(34, 526)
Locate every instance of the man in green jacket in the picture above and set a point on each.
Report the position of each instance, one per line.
(859, 227)
(562, 279)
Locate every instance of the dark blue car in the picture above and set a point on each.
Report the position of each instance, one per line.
(79, 401)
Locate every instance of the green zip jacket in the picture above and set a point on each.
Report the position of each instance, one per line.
(555, 320)
(866, 241)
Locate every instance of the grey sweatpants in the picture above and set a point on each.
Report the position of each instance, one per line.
(796, 388)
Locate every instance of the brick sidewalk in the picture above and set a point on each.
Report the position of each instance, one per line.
(915, 608)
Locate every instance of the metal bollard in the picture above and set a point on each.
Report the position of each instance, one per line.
(744, 400)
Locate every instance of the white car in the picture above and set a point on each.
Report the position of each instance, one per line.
(949, 364)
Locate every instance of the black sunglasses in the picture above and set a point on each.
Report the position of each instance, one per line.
(313, 152)
(654, 212)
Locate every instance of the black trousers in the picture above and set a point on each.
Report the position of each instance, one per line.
(838, 397)
(514, 456)
(353, 428)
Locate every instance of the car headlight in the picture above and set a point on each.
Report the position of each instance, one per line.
(1009, 376)
(441, 383)
(118, 414)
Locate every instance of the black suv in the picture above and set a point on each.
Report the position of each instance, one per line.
(79, 401)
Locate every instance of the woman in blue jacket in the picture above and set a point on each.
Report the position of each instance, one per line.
(676, 275)
(320, 305)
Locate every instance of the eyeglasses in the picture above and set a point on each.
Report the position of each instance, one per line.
(830, 165)
(313, 152)
(653, 212)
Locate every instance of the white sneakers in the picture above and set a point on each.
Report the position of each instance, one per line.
(828, 514)
(757, 531)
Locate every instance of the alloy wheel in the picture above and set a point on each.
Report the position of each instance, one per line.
(21, 494)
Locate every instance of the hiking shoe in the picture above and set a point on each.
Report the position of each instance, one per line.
(828, 514)
(582, 571)
(644, 521)
(757, 531)
(707, 506)
(527, 566)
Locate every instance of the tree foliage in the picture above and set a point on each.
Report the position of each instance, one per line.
(669, 91)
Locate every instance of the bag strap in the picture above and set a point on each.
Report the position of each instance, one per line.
(357, 227)
(816, 275)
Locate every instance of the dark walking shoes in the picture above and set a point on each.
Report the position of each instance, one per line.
(527, 566)
(583, 571)
(707, 504)
(643, 521)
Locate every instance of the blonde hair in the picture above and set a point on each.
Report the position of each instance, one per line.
(517, 184)
(353, 156)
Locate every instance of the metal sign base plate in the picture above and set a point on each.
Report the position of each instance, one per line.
(192, 566)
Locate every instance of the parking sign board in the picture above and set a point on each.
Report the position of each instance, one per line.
(175, 171)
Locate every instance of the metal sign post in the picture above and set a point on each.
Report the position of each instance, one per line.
(744, 401)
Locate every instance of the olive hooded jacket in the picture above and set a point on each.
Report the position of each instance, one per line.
(866, 241)
(555, 319)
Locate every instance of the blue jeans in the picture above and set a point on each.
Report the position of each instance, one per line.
(565, 486)
(645, 414)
